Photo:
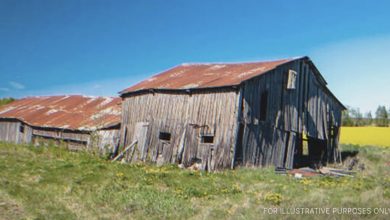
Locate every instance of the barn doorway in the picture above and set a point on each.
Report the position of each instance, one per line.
(191, 145)
(199, 147)
(317, 151)
(140, 134)
(239, 152)
(301, 154)
(310, 152)
(163, 147)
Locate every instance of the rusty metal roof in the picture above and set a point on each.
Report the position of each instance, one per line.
(203, 75)
(73, 112)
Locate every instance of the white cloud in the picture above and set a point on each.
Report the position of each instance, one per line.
(16, 85)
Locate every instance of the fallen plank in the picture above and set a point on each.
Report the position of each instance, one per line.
(339, 174)
(335, 172)
(303, 173)
(124, 151)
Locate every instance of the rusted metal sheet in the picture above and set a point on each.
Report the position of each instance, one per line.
(188, 76)
(73, 112)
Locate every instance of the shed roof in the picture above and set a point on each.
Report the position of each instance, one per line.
(206, 75)
(73, 112)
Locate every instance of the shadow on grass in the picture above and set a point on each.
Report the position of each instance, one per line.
(348, 153)
(306, 161)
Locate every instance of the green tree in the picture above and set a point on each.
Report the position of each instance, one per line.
(382, 116)
(357, 117)
(346, 118)
(369, 120)
(5, 101)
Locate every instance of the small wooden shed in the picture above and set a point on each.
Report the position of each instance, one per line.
(80, 121)
(222, 115)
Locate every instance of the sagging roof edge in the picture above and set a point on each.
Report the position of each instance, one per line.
(124, 94)
(109, 126)
(182, 91)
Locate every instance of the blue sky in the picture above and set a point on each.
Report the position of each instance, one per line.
(101, 47)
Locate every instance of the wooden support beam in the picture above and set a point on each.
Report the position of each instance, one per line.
(125, 150)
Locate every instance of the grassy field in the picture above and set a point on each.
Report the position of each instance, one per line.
(377, 136)
(53, 183)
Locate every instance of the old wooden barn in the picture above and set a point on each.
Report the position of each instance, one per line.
(79, 121)
(223, 115)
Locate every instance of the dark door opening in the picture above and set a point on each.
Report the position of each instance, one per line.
(317, 151)
(310, 152)
(238, 157)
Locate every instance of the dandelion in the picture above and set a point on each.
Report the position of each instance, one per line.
(306, 181)
(274, 198)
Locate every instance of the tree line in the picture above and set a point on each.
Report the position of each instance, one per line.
(5, 101)
(353, 117)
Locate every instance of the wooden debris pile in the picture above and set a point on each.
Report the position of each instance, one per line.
(324, 171)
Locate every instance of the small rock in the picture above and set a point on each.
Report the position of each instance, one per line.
(298, 175)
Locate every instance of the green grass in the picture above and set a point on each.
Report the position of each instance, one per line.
(52, 183)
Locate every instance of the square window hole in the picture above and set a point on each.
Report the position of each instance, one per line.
(207, 139)
(165, 136)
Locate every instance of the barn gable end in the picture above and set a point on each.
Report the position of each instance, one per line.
(309, 111)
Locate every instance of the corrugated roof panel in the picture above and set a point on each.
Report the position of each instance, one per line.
(187, 76)
(74, 112)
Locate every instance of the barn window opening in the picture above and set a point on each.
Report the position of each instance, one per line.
(292, 78)
(207, 139)
(21, 128)
(263, 106)
(165, 136)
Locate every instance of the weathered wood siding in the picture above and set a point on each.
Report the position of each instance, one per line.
(64, 135)
(186, 117)
(308, 108)
(105, 140)
(264, 142)
(25, 136)
(108, 139)
(74, 140)
(10, 131)
(322, 115)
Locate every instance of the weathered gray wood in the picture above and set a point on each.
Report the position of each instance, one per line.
(140, 135)
(305, 109)
(11, 131)
(191, 115)
(15, 131)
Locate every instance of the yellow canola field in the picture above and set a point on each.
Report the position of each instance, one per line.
(376, 136)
